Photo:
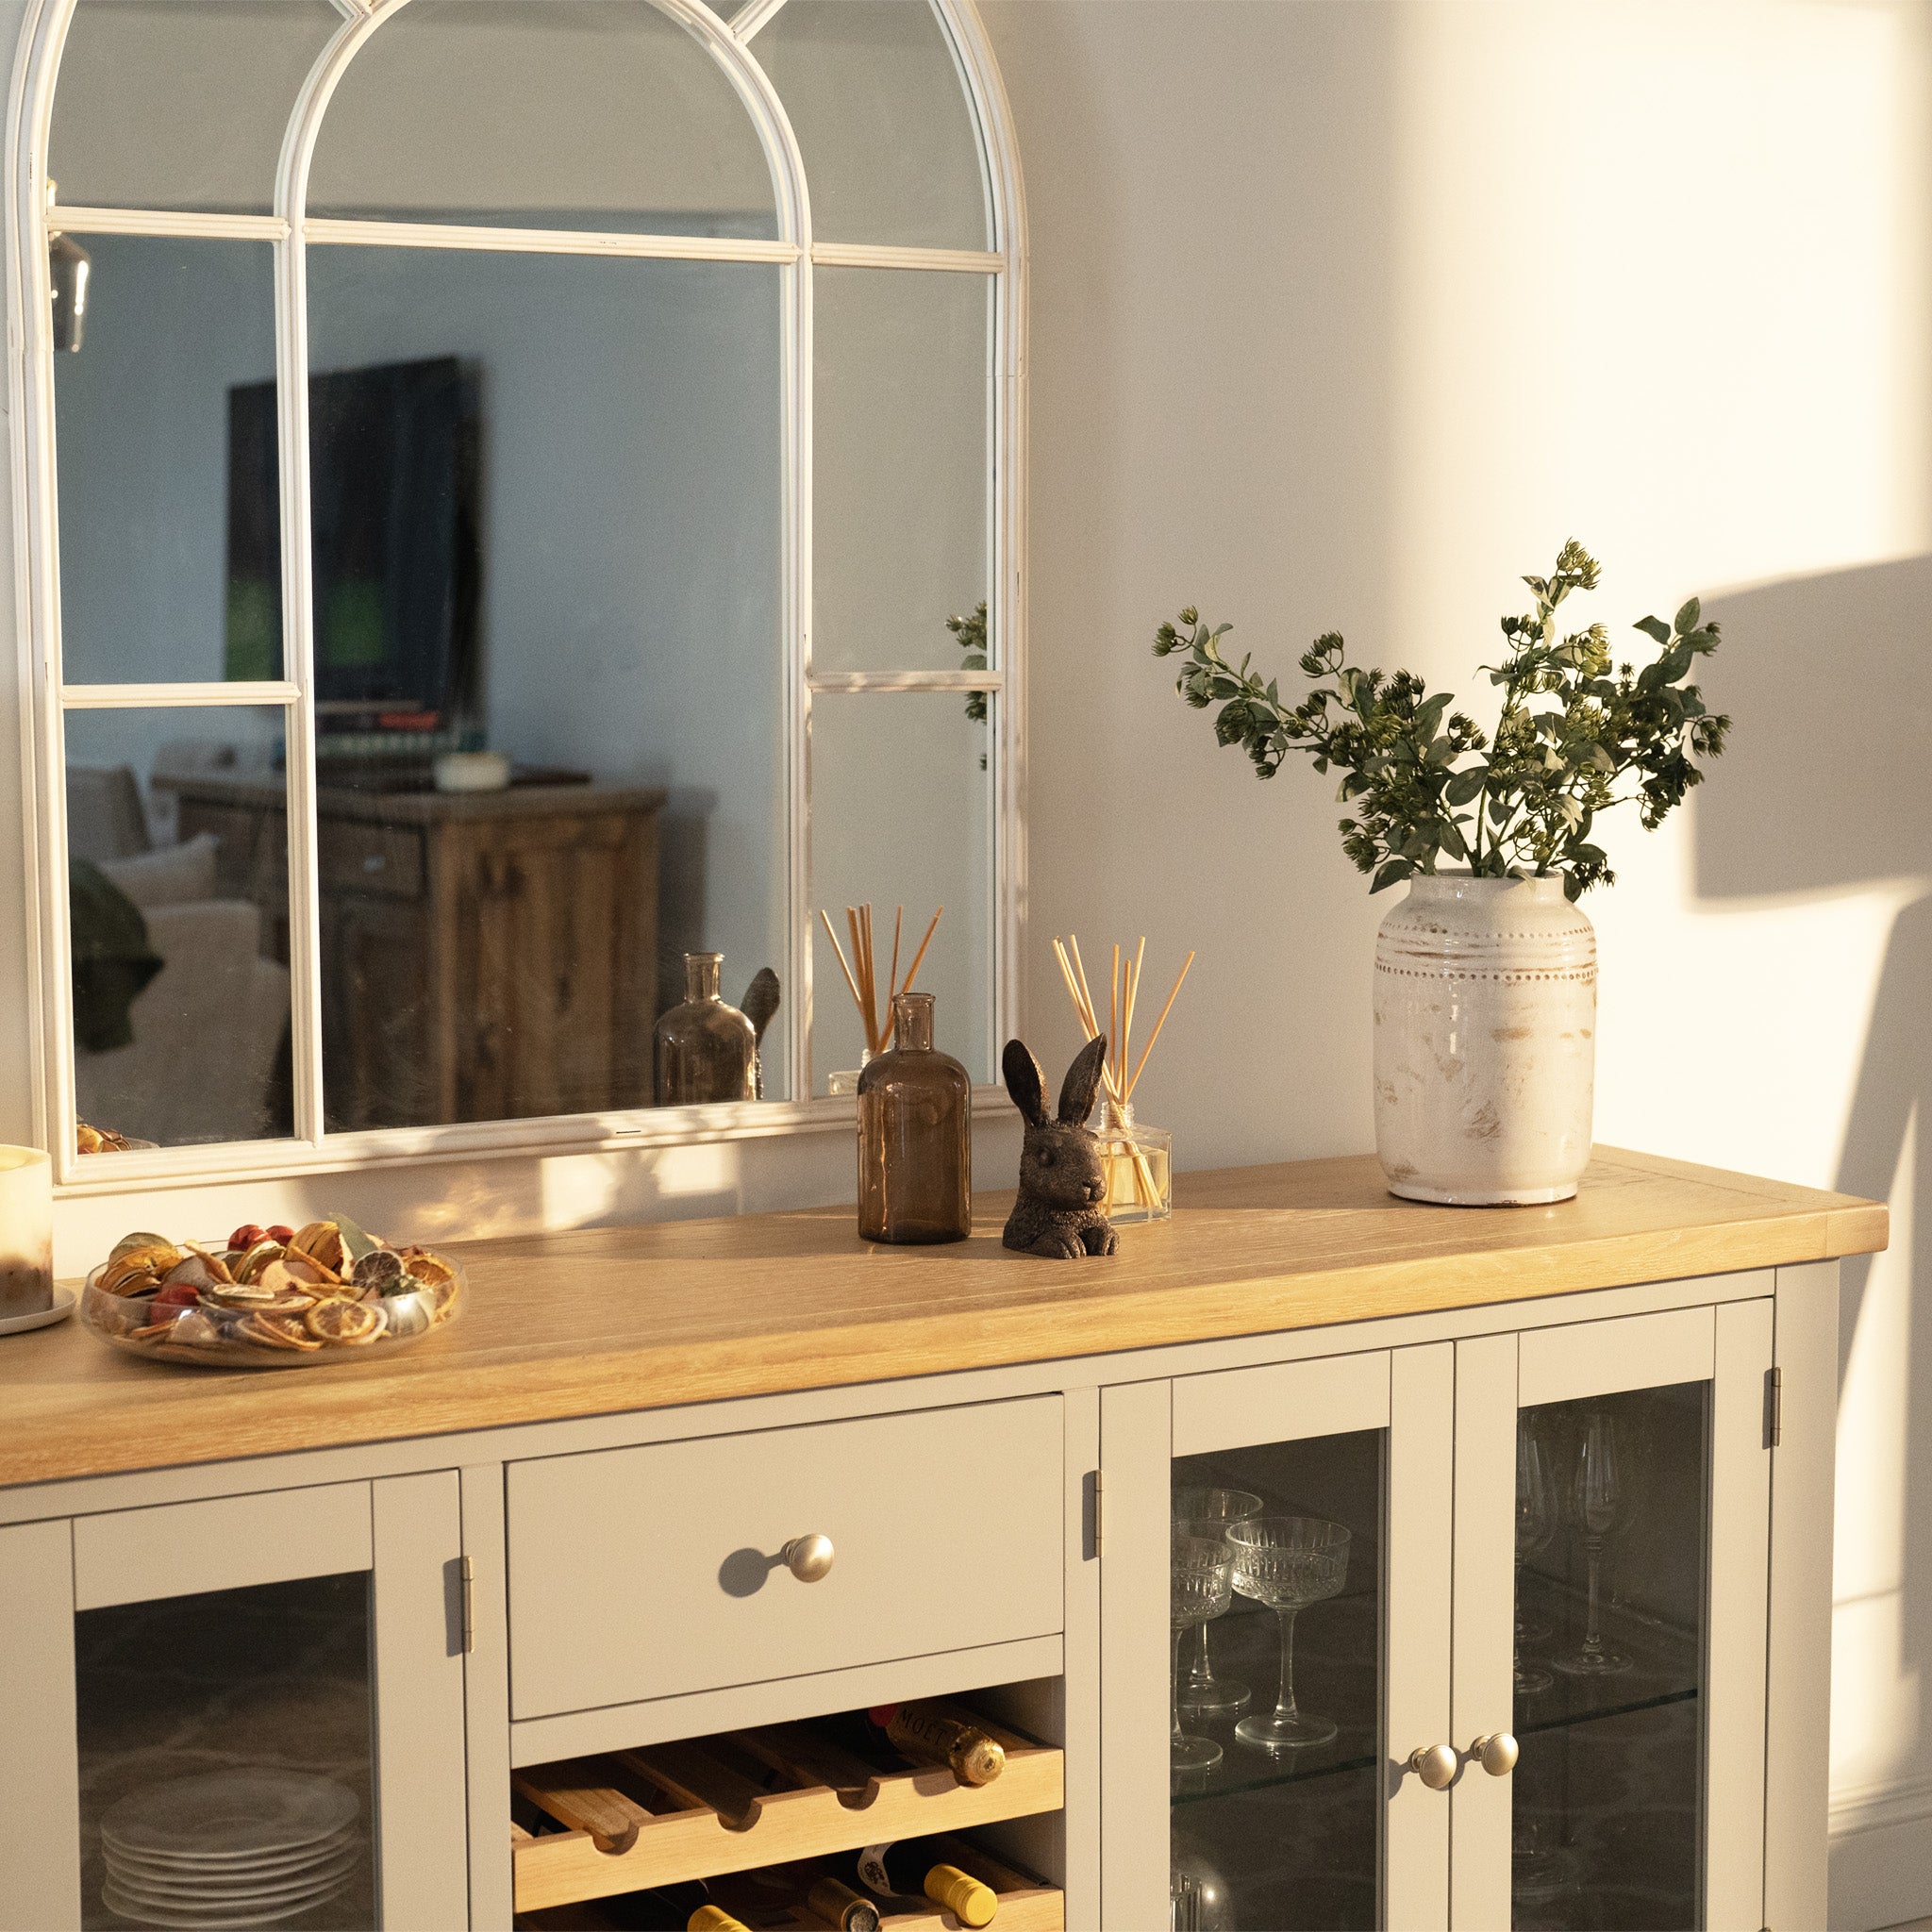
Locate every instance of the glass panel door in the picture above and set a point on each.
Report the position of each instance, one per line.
(1276, 1790)
(1261, 1694)
(1609, 1680)
(226, 1763)
(267, 1718)
(1629, 1650)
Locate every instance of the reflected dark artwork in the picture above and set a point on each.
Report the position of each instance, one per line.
(275, 1675)
(1292, 1838)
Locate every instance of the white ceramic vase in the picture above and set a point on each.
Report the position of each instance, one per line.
(1485, 1042)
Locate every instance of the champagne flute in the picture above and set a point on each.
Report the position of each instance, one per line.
(1287, 1563)
(1600, 1498)
(1203, 1694)
(1202, 1569)
(1536, 1525)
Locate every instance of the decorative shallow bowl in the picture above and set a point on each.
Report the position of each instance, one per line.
(214, 1338)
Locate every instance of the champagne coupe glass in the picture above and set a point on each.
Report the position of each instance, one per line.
(1202, 1588)
(1287, 1563)
(1599, 1497)
(1202, 1693)
(1536, 1525)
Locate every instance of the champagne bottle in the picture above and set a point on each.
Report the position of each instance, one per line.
(913, 1868)
(685, 1908)
(930, 1733)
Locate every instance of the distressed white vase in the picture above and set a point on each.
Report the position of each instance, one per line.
(1485, 1042)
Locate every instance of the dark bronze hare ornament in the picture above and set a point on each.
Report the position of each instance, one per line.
(1062, 1184)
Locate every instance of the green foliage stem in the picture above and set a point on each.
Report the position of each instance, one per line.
(1424, 783)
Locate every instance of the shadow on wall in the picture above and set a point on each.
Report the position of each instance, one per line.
(1827, 787)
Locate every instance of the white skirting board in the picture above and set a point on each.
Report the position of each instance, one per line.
(1881, 1856)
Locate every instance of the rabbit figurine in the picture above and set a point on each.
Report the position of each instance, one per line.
(1061, 1182)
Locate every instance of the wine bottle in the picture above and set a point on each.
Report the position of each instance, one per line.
(928, 1733)
(913, 1868)
(828, 1901)
(685, 1908)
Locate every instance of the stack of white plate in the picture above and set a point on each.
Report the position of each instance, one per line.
(229, 1848)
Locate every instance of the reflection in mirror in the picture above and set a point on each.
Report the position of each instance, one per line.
(180, 103)
(541, 114)
(874, 93)
(548, 526)
(902, 816)
(178, 909)
(901, 465)
(174, 329)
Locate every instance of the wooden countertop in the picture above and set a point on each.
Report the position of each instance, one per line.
(611, 1318)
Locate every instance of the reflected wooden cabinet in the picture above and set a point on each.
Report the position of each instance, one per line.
(486, 955)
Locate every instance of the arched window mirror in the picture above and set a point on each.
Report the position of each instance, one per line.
(616, 397)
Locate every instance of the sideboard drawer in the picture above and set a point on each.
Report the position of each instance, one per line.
(649, 1571)
(356, 857)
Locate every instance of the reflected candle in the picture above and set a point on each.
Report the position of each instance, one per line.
(26, 1232)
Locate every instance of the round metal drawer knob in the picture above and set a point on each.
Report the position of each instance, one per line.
(1435, 1764)
(1495, 1753)
(808, 1558)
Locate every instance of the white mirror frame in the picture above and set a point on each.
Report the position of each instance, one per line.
(30, 376)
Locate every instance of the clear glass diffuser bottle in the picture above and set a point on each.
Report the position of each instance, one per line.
(915, 1135)
(1138, 1163)
(704, 1049)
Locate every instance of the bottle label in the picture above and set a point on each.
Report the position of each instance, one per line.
(871, 1868)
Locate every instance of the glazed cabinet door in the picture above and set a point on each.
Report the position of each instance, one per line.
(245, 1705)
(1276, 1644)
(1612, 1524)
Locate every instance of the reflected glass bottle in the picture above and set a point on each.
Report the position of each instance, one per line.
(705, 1050)
(915, 1135)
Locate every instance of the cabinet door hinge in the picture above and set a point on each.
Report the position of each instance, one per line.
(1774, 1408)
(468, 1573)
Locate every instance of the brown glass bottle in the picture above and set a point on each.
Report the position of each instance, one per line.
(915, 1135)
(705, 1050)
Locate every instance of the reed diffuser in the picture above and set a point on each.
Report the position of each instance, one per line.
(876, 1017)
(1137, 1159)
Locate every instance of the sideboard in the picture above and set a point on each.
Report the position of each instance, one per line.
(485, 956)
(498, 1587)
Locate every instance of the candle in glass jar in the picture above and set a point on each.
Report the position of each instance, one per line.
(26, 1232)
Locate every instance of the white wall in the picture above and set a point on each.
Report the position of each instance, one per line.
(1345, 316)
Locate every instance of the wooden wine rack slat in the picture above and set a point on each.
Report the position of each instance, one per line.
(599, 1855)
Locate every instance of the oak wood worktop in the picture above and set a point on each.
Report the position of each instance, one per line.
(606, 1320)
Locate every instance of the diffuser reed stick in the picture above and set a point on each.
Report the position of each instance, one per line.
(861, 972)
(1116, 1081)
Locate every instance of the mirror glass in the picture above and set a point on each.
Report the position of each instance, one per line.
(902, 816)
(180, 103)
(874, 92)
(179, 913)
(601, 114)
(173, 327)
(900, 467)
(547, 525)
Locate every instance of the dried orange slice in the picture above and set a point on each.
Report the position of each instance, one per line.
(277, 1331)
(350, 1323)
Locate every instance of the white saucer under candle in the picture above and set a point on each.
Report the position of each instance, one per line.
(27, 1299)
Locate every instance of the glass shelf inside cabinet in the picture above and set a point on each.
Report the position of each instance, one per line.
(1611, 1515)
(1276, 1786)
(225, 1746)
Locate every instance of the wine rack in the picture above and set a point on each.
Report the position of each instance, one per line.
(665, 1813)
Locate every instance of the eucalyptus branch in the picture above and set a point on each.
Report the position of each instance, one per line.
(1422, 781)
